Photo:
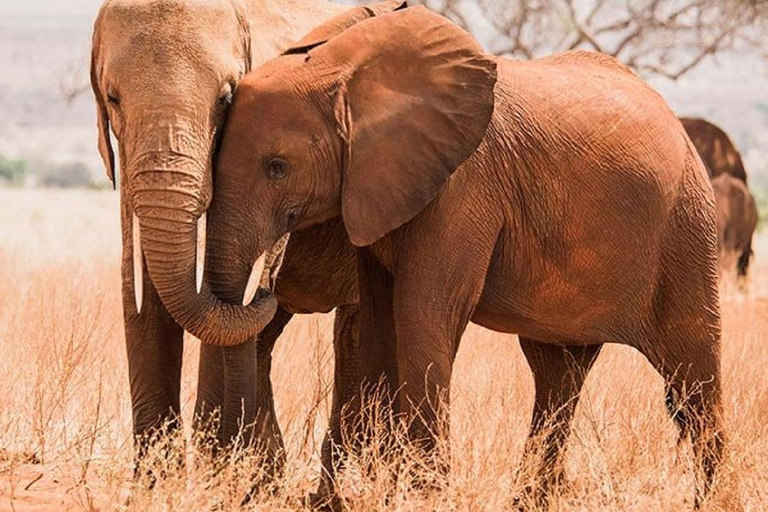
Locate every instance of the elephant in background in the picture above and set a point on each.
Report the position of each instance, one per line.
(736, 221)
(715, 148)
(736, 210)
(477, 188)
(163, 74)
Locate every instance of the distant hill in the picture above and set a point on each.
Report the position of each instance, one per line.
(45, 41)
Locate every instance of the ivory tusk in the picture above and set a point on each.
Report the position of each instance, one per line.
(275, 260)
(254, 279)
(200, 256)
(138, 264)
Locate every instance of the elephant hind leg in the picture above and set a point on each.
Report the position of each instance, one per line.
(559, 374)
(694, 398)
(679, 415)
(346, 395)
(687, 355)
(684, 341)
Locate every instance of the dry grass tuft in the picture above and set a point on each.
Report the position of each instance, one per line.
(65, 417)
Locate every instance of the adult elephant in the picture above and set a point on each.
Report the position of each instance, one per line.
(736, 221)
(736, 210)
(163, 73)
(715, 148)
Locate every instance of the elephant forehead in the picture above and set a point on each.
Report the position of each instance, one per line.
(277, 108)
(190, 37)
(181, 12)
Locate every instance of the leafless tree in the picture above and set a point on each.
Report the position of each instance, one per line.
(661, 37)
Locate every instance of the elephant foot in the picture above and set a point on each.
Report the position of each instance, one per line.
(539, 496)
(325, 498)
(524, 501)
(264, 483)
(530, 499)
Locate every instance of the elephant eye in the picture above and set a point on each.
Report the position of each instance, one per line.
(225, 100)
(276, 168)
(113, 99)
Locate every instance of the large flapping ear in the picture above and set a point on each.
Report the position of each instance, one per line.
(102, 115)
(414, 101)
(342, 22)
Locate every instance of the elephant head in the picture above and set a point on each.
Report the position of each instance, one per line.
(368, 123)
(163, 74)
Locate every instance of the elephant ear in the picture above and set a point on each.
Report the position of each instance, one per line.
(102, 115)
(342, 22)
(414, 103)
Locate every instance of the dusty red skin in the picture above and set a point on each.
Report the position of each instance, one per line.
(162, 73)
(736, 221)
(715, 148)
(576, 213)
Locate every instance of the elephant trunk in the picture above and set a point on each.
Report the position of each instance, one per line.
(169, 221)
(236, 266)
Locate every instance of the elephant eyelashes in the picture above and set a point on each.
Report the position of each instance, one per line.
(277, 168)
(291, 216)
(225, 100)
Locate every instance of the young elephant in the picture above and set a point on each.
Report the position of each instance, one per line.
(558, 199)
(736, 221)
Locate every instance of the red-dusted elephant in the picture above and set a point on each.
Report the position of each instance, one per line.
(559, 199)
(736, 221)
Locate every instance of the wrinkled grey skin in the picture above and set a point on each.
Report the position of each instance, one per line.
(162, 74)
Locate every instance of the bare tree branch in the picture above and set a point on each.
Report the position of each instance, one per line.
(662, 37)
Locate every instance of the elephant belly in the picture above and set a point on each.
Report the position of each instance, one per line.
(571, 292)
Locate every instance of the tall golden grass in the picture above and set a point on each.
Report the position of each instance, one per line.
(65, 417)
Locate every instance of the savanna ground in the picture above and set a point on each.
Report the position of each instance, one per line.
(65, 416)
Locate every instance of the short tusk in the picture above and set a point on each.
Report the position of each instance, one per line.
(138, 264)
(254, 279)
(200, 257)
(277, 254)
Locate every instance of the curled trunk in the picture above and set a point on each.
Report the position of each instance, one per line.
(168, 217)
(237, 267)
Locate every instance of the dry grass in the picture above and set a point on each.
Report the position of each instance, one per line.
(65, 414)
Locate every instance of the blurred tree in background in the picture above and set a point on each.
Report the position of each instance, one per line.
(73, 174)
(659, 37)
(66, 175)
(12, 172)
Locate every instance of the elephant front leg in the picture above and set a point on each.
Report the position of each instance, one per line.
(559, 374)
(435, 294)
(429, 330)
(210, 400)
(235, 402)
(154, 345)
(359, 369)
(346, 381)
(266, 434)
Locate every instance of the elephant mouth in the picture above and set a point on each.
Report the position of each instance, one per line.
(265, 270)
